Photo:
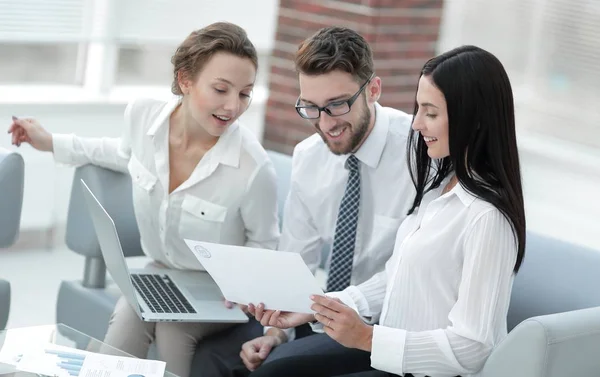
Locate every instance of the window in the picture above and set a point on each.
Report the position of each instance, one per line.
(571, 42)
(98, 48)
(150, 64)
(42, 41)
(146, 64)
(22, 63)
(550, 49)
(148, 32)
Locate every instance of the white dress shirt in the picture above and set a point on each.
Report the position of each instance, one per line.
(442, 300)
(229, 198)
(317, 186)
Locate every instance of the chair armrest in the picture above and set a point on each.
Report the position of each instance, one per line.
(4, 302)
(561, 344)
(12, 176)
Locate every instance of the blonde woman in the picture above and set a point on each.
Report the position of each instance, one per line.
(197, 173)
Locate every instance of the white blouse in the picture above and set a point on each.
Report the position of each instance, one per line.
(442, 300)
(229, 198)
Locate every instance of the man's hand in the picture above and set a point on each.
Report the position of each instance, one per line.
(277, 318)
(255, 351)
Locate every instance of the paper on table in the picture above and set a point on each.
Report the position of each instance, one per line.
(280, 280)
(59, 361)
(97, 365)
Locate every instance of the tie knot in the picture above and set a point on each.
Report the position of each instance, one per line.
(352, 163)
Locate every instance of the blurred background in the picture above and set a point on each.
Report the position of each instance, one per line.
(74, 64)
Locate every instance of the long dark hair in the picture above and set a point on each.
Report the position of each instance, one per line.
(481, 132)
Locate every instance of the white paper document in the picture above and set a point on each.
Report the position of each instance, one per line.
(280, 280)
(60, 361)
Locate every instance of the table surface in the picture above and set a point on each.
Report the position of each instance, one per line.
(56, 334)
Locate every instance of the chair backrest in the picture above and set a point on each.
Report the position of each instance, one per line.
(113, 190)
(555, 277)
(12, 176)
(4, 302)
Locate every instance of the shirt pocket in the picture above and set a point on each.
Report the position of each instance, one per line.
(143, 183)
(140, 175)
(201, 220)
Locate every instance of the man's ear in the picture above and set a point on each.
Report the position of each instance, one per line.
(374, 90)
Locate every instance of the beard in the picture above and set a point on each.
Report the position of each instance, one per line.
(357, 134)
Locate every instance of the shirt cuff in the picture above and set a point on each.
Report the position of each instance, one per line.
(345, 297)
(290, 333)
(359, 300)
(62, 146)
(317, 327)
(387, 350)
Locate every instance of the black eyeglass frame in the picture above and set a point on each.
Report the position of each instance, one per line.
(349, 101)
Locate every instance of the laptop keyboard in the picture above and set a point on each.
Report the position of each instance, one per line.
(161, 294)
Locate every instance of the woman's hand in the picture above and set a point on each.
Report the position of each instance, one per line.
(231, 305)
(277, 318)
(29, 130)
(342, 323)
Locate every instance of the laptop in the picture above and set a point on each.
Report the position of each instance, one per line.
(159, 294)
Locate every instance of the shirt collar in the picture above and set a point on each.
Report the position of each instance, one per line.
(465, 197)
(227, 150)
(371, 150)
(164, 115)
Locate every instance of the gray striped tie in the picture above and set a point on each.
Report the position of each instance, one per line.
(340, 270)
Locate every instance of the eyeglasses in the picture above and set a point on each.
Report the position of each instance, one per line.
(332, 109)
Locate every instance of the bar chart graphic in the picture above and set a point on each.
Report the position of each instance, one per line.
(70, 362)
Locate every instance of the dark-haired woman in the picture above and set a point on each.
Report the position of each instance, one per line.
(440, 307)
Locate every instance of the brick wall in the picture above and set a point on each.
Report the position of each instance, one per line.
(402, 34)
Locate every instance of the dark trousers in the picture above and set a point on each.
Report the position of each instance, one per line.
(353, 363)
(309, 355)
(334, 362)
(218, 356)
